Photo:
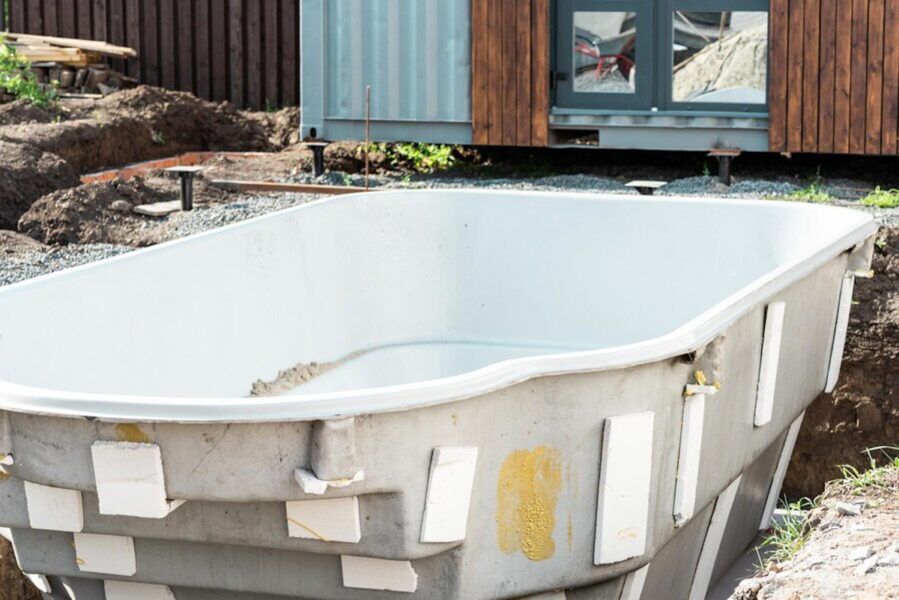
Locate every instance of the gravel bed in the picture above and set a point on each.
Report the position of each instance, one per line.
(31, 263)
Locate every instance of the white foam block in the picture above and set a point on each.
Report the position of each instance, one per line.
(633, 584)
(107, 554)
(378, 574)
(126, 590)
(781, 471)
(56, 509)
(839, 334)
(713, 537)
(449, 493)
(329, 520)
(688, 458)
(40, 582)
(764, 402)
(130, 480)
(624, 481)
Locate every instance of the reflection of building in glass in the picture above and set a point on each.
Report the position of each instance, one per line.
(720, 57)
(604, 52)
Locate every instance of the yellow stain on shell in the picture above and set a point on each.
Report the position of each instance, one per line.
(4, 476)
(527, 493)
(129, 432)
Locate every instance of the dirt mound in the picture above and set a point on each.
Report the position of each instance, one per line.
(283, 126)
(102, 212)
(13, 585)
(26, 174)
(23, 111)
(863, 411)
(13, 243)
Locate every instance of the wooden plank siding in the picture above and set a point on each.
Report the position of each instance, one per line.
(245, 51)
(510, 72)
(834, 76)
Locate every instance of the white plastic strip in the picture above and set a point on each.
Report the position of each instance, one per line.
(40, 582)
(688, 458)
(449, 494)
(107, 554)
(56, 509)
(328, 520)
(764, 402)
(127, 590)
(554, 595)
(130, 480)
(622, 511)
(378, 574)
(780, 472)
(713, 537)
(839, 333)
(633, 584)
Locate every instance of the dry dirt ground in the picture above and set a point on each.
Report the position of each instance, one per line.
(847, 555)
(863, 411)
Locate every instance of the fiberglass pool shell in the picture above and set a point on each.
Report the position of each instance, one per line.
(535, 328)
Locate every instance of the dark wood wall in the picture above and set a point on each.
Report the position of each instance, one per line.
(834, 76)
(510, 72)
(245, 51)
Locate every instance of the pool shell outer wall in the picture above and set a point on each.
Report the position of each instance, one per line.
(251, 463)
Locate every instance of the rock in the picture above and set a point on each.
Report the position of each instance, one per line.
(888, 560)
(860, 553)
(867, 566)
(121, 206)
(848, 510)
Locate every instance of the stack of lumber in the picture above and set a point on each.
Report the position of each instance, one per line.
(74, 66)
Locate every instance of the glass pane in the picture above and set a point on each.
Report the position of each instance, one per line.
(720, 57)
(605, 52)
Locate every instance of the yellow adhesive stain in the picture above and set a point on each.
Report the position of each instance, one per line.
(3, 476)
(455, 418)
(527, 492)
(627, 533)
(570, 530)
(313, 532)
(129, 432)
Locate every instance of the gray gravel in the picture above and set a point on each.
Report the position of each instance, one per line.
(31, 263)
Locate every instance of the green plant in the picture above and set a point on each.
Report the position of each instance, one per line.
(874, 476)
(17, 79)
(786, 536)
(811, 193)
(880, 243)
(158, 138)
(346, 179)
(706, 171)
(421, 157)
(269, 107)
(882, 198)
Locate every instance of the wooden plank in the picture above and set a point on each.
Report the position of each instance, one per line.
(826, 75)
(874, 94)
(17, 15)
(168, 50)
(271, 68)
(859, 76)
(777, 76)
(890, 139)
(540, 74)
(133, 36)
(253, 41)
(495, 59)
(506, 70)
(85, 13)
(50, 22)
(290, 52)
(300, 188)
(842, 77)
(150, 56)
(794, 76)
(235, 52)
(67, 19)
(480, 72)
(201, 14)
(218, 64)
(35, 22)
(116, 19)
(86, 45)
(185, 46)
(522, 66)
(811, 44)
(100, 30)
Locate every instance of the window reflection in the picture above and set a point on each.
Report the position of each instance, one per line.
(605, 52)
(720, 57)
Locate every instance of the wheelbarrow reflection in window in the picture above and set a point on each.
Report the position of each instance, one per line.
(604, 52)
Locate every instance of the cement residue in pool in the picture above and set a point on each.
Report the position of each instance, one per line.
(295, 376)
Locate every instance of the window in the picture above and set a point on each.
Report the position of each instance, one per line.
(605, 52)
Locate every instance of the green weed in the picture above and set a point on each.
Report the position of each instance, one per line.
(423, 158)
(874, 476)
(786, 538)
(159, 138)
(17, 79)
(706, 171)
(882, 198)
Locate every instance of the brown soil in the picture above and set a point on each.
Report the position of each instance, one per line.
(845, 556)
(102, 212)
(12, 243)
(863, 411)
(23, 111)
(13, 585)
(26, 174)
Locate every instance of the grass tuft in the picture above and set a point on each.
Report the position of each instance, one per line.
(882, 198)
(875, 475)
(786, 538)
